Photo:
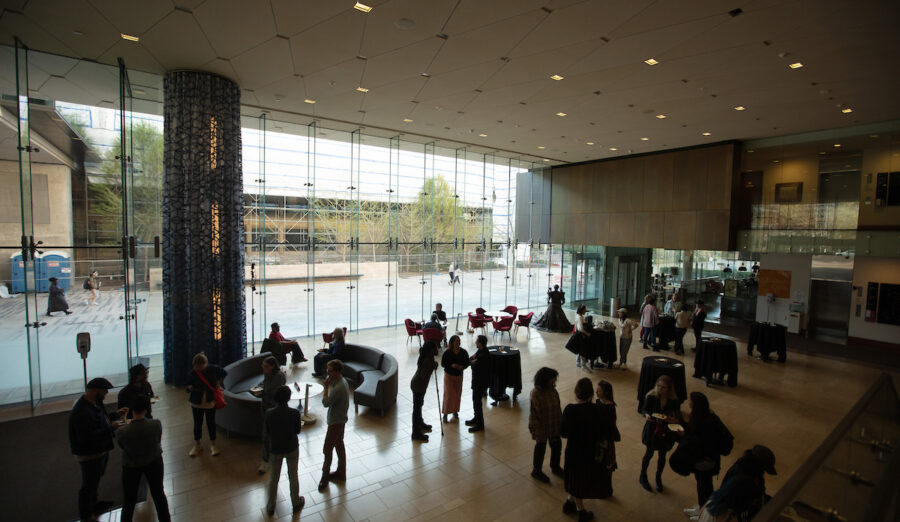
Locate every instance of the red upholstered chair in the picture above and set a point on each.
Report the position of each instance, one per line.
(511, 310)
(482, 312)
(328, 338)
(504, 325)
(433, 334)
(413, 329)
(477, 321)
(524, 320)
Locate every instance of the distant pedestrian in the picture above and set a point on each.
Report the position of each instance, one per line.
(91, 439)
(283, 424)
(545, 423)
(56, 301)
(142, 457)
(335, 397)
(92, 284)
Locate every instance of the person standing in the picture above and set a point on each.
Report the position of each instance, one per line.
(586, 464)
(90, 439)
(201, 382)
(283, 424)
(137, 386)
(56, 301)
(142, 457)
(544, 423)
(333, 351)
(335, 397)
(628, 327)
(661, 407)
(682, 321)
(712, 438)
(698, 321)
(425, 365)
(273, 380)
(454, 361)
(649, 320)
(481, 381)
(580, 337)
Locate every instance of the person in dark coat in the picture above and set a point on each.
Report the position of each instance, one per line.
(708, 432)
(273, 380)
(587, 461)
(142, 457)
(544, 423)
(91, 439)
(283, 423)
(661, 408)
(57, 298)
(481, 381)
(201, 399)
(137, 387)
(606, 405)
(425, 365)
(754, 464)
(698, 321)
(334, 351)
(554, 319)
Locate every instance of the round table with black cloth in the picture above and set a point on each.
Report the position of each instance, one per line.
(506, 372)
(601, 344)
(768, 338)
(651, 369)
(715, 357)
(665, 331)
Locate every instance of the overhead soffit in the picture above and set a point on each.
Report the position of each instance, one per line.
(490, 74)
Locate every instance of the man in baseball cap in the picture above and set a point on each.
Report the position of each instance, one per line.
(91, 438)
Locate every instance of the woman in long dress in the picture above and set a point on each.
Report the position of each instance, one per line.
(454, 361)
(587, 463)
(57, 298)
(554, 319)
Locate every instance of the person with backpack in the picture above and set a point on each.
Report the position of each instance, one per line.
(92, 284)
(710, 440)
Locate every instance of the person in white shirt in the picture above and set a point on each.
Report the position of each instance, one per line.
(628, 326)
(649, 320)
(673, 305)
(579, 328)
(682, 322)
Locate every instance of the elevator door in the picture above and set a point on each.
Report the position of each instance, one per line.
(829, 311)
(627, 281)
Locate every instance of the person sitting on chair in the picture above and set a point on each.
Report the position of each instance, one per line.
(288, 344)
(433, 322)
(333, 351)
(441, 314)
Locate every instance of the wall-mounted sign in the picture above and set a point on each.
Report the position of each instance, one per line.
(775, 282)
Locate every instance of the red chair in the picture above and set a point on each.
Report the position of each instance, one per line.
(328, 338)
(477, 321)
(436, 335)
(413, 329)
(504, 325)
(482, 312)
(511, 310)
(524, 320)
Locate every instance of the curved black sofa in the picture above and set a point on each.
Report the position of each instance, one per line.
(243, 413)
(375, 375)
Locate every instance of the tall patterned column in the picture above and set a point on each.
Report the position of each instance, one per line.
(203, 227)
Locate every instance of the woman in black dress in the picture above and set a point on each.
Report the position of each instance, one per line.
(587, 462)
(56, 301)
(706, 430)
(607, 408)
(661, 407)
(554, 319)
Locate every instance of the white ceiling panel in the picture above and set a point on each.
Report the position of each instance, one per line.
(666, 13)
(62, 19)
(219, 18)
(459, 81)
(178, 43)
(33, 35)
(264, 64)
(406, 62)
(222, 67)
(342, 78)
(292, 17)
(135, 55)
(133, 16)
(472, 14)
(331, 42)
(382, 33)
(100, 80)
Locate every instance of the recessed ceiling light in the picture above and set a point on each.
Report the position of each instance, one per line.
(362, 7)
(822, 153)
(407, 120)
(661, 116)
(541, 147)
(590, 143)
(795, 65)
(545, 159)
(645, 139)
(750, 151)
(847, 110)
(560, 114)
(130, 38)
(76, 32)
(706, 133)
(837, 144)
(775, 161)
(557, 77)
(307, 100)
(139, 92)
(740, 108)
(426, 75)
(362, 89)
(651, 61)
(482, 135)
(613, 148)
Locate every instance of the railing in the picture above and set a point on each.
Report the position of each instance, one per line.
(881, 243)
(853, 475)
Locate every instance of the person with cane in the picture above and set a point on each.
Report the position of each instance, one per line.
(425, 365)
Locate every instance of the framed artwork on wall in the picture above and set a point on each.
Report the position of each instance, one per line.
(789, 192)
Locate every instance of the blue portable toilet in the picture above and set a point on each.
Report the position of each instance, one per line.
(53, 263)
(17, 273)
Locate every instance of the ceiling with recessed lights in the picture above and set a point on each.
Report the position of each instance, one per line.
(566, 80)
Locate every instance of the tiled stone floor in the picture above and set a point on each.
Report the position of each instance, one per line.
(485, 476)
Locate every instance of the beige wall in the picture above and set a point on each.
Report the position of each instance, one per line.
(669, 200)
(53, 208)
(872, 270)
